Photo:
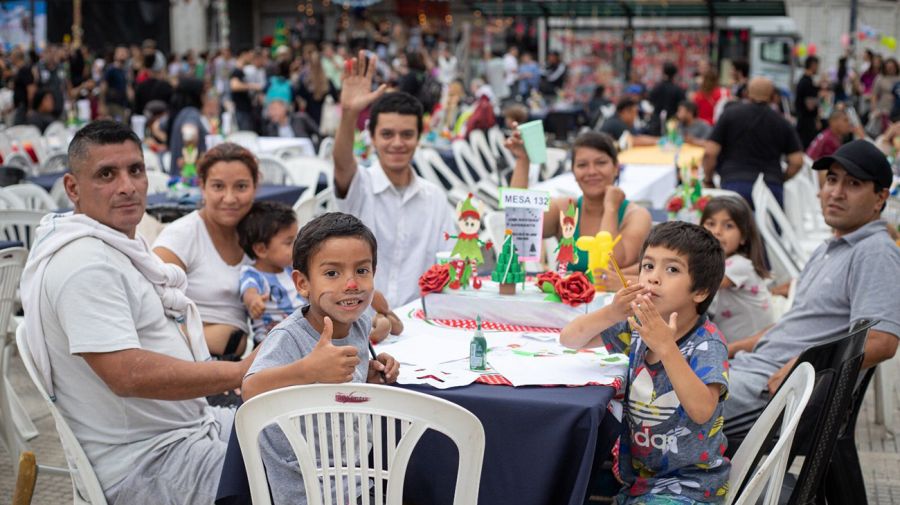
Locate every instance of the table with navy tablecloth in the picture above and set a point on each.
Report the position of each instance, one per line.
(542, 446)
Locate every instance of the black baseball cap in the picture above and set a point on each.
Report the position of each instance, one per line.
(861, 159)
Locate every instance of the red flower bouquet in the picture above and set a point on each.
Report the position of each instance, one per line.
(575, 289)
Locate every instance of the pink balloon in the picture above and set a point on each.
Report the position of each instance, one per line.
(845, 40)
(811, 49)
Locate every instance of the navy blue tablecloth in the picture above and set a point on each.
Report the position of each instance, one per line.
(46, 181)
(540, 447)
(7, 244)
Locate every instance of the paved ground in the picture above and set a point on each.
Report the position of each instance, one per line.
(879, 451)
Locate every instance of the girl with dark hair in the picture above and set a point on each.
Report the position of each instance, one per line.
(602, 206)
(743, 304)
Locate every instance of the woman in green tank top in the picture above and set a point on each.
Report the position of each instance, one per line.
(602, 206)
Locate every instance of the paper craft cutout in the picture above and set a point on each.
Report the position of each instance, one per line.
(466, 252)
(566, 252)
(508, 272)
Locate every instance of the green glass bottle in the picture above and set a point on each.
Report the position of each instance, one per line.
(478, 348)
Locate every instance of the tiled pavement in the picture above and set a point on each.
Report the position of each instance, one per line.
(879, 451)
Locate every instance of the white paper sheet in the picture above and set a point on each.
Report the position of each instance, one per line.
(446, 376)
(534, 364)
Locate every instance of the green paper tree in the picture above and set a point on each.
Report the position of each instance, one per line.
(508, 269)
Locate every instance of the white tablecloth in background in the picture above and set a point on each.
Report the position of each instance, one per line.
(653, 183)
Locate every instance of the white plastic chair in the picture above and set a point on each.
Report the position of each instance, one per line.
(496, 139)
(157, 182)
(19, 224)
(556, 157)
(23, 133)
(432, 167)
(326, 147)
(16, 426)
(33, 196)
(9, 200)
(769, 215)
(53, 163)
(768, 475)
(481, 147)
(59, 195)
(246, 139)
(86, 488)
(272, 170)
(306, 171)
(21, 160)
(306, 206)
(495, 226)
(56, 129)
(467, 160)
(397, 419)
(152, 161)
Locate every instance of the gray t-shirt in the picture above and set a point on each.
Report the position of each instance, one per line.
(846, 280)
(698, 129)
(664, 451)
(288, 342)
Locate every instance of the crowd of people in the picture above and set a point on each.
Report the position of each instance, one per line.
(695, 310)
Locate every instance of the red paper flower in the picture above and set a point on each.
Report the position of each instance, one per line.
(549, 277)
(675, 204)
(701, 203)
(434, 280)
(575, 289)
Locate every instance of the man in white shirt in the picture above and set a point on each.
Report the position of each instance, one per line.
(511, 65)
(408, 214)
(127, 376)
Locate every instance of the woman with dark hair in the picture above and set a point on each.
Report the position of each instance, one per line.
(602, 206)
(205, 244)
(184, 109)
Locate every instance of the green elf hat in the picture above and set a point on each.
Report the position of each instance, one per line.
(570, 214)
(468, 210)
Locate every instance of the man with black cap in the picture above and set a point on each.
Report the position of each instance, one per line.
(851, 277)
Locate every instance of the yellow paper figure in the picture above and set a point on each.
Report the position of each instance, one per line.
(597, 248)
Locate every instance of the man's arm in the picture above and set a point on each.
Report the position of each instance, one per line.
(880, 346)
(356, 95)
(794, 164)
(746, 344)
(710, 156)
(140, 373)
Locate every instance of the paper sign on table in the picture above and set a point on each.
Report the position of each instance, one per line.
(524, 210)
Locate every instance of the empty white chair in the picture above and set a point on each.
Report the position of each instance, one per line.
(272, 170)
(33, 196)
(157, 182)
(307, 170)
(468, 161)
(769, 215)
(768, 475)
(152, 161)
(246, 139)
(85, 486)
(306, 206)
(23, 133)
(495, 226)
(326, 147)
(480, 146)
(59, 195)
(496, 139)
(15, 424)
(407, 415)
(20, 160)
(56, 129)
(20, 225)
(9, 200)
(53, 163)
(432, 167)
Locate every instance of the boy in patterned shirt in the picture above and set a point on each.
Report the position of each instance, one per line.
(678, 374)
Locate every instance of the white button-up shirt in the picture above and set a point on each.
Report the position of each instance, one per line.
(408, 223)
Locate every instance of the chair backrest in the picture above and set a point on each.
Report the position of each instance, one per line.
(21, 160)
(56, 129)
(33, 196)
(768, 210)
(23, 133)
(396, 419)
(306, 171)
(468, 162)
(152, 161)
(85, 486)
(246, 139)
(20, 225)
(272, 170)
(496, 139)
(53, 163)
(495, 226)
(157, 182)
(480, 146)
(784, 266)
(326, 147)
(432, 167)
(10, 200)
(12, 261)
(556, 158)
(837, 367)
(788, 404)
(306, 206)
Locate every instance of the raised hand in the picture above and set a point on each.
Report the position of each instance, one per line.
(613, 198)
(329, 363)
(621, 304)
(356, 83)
(655, 332)
(514, 142)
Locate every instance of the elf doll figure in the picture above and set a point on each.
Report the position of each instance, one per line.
(566, 249)
(467, 251)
